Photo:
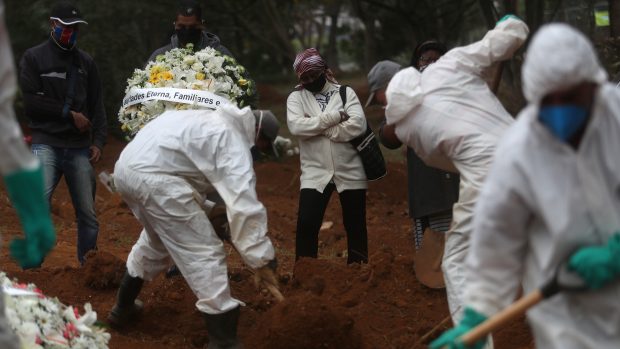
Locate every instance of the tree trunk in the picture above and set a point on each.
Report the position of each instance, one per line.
(488, 11)
(614, 18)
(331, 53)
(370, 42)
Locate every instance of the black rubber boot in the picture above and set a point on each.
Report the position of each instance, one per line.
(127, 307)
(223, 329)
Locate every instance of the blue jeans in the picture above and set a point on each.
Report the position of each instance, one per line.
(79, 175)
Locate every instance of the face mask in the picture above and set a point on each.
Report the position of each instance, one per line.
(65, 37)
(189, 35)
(563, 120)
(316, 85)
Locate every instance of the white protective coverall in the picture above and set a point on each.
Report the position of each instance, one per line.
(453, 121)
(15, 154)
(543, 199)
(164, 175)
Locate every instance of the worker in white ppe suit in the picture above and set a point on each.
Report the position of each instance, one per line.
(164, 175)
(453, 121)
(23, 179)
(552, 196)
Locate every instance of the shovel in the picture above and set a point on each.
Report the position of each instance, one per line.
(563, 280)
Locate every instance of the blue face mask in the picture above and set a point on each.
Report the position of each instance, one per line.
(563, 121)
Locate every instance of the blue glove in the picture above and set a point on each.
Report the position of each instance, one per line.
(506, 17)
(25, 188)
(598, 265)
(450, 338)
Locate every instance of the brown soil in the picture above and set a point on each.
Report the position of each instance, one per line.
(328, 304)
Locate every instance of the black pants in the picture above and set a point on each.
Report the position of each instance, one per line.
(312, 205)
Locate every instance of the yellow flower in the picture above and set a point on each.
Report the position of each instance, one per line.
(124, 127)
(167, 75)
(200, 76)
(242, 82)
(156, 69)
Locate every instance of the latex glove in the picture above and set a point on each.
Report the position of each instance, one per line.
(450, 338)
(25, 188)
(266, 274)
(598, 265)
(507, 17)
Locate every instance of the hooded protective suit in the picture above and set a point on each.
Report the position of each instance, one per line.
(453, 121)
(543, 199)
(164, 175)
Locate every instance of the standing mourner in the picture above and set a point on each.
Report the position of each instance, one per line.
(453, 121)
(211, 153)
(23, 179)
(189, 29)
(64, 103)
(551, 197)
(431, 192)
(324, 127)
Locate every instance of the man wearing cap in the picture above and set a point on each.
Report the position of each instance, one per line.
(189, 29)
(432, 192)
(211, 154)
(453, 121)
(64, 104)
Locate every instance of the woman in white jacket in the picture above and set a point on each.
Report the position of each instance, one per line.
(324, 127)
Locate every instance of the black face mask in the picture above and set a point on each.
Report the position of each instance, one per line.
(316, 85)
(189, 35)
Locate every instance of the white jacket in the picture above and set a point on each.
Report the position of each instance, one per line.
(324, 141)
(209, 150)
(15, 154)
(450, 117)
(542, 201)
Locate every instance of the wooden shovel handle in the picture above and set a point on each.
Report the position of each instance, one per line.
(274, 291)
(514, 311)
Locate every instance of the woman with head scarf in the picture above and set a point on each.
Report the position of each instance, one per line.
(324, 123)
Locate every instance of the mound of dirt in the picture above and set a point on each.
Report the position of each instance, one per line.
(306, 321)
(102, 270)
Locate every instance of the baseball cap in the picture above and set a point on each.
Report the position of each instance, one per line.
(379, 77)
(66, 13)
(268, 125)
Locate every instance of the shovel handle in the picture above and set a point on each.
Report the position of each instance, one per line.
(274, 291)
(514, 311)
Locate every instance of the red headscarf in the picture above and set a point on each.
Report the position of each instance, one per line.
(310, 60)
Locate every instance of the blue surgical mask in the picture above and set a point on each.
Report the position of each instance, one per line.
(563, 121)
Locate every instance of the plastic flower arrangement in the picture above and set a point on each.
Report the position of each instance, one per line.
(167, 84)
(41, 322)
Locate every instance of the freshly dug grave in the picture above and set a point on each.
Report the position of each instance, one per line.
(328, 304)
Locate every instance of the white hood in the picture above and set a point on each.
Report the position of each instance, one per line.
(559, 57)
(404, 94)
(243, 119)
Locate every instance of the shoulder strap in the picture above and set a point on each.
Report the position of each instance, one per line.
(343, 94)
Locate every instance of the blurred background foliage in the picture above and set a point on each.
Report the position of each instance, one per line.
(265, 35)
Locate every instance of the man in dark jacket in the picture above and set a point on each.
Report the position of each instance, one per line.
(64, 103)
(189, 29)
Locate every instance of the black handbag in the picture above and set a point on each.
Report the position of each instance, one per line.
(367, 147)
